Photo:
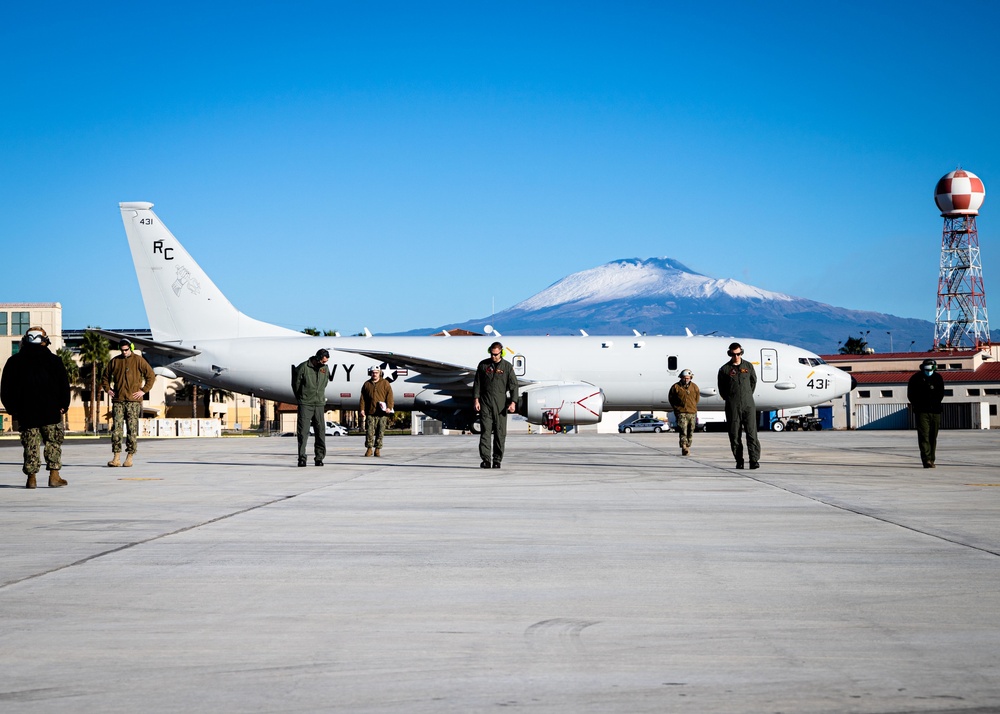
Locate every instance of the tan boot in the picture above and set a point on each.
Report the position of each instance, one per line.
(378, 452)
(368, 453)
(31, 482)
(128, 460)
(115, 461)
(54, 480)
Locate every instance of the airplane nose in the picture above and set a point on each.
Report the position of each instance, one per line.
(843, 382)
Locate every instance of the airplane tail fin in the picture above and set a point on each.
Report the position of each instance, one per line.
(182, 303)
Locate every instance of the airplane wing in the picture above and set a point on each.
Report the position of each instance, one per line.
(427, 367)
(149, 347)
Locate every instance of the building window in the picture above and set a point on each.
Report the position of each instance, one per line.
(993, 409)
(973, 392)
(992, 392)
(885, 393)
(15, 347)
(846, 368)
(3, 323)
(949, 392)
(954, 366)
(19, 322)
(864, 394)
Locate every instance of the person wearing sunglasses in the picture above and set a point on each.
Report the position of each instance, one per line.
(737, 381)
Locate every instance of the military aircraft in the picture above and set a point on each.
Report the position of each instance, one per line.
(198, 334)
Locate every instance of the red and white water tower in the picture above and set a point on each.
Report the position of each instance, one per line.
(961, 320)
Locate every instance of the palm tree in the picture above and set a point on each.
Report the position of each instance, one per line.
(94, 351)
(72, 372)
(854, 346)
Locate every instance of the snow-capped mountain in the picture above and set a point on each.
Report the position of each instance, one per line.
(662, 296)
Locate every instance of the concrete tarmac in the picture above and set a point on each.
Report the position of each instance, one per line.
(593, 573)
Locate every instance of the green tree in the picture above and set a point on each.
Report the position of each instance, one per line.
(94, 351)
(72, 372)
(311, 331)
(854, 346)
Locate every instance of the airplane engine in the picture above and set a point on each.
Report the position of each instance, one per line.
(572, 403)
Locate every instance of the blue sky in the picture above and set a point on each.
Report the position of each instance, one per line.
(401, 165)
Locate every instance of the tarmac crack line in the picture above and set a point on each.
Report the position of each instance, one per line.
(120, 548)
(846, 509)
(857, 512)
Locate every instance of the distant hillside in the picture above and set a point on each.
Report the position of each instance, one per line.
(662, 296)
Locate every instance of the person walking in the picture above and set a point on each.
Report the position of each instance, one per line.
(494, 395)
(737, 381)
(684, 397)
(127, 378)
(35, 391)
(376, 406)
(309, 382)
(925, 391)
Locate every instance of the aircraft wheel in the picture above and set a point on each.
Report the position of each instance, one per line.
(777, 426)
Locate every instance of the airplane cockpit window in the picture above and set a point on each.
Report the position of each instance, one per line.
(811, 361)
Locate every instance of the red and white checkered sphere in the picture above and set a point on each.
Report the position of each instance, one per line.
(959, 193)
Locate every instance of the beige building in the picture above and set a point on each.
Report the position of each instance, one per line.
(878, 401)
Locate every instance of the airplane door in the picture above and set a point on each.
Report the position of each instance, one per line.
(769, 365)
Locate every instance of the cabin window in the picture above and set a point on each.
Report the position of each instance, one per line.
(519, 365)
(672, 363)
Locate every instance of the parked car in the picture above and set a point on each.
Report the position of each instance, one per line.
(643, 424)
(332, 429)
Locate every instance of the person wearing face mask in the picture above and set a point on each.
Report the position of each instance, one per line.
(925, 390)
(683, 397)
(35, 390)
(737, 381)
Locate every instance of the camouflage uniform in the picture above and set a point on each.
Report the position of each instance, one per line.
(128, 412)
(34, 389)
(32, 438)
(373, 394)
(127, 374)
(684, 399)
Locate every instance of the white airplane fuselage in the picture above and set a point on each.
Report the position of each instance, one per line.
(199, 335)
(631, 377)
